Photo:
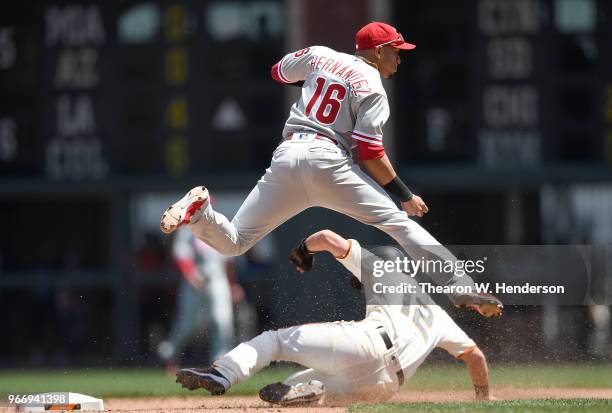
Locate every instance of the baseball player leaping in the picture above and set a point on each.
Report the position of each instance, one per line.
(365, 360)
(342, 109)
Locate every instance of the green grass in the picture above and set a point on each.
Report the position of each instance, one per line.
(518, 406)
(118, 382)
(455, 377)
(127, 382)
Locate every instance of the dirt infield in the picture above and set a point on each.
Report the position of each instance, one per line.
(253, 404)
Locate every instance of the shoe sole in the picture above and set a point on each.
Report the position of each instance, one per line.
(276, 393)
(478, 299)
(171, 218)
(193, 380)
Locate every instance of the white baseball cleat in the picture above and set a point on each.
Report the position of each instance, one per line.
(186, 210)
(298, 394)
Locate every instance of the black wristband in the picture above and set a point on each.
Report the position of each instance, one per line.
(304, 248)
(399, 189)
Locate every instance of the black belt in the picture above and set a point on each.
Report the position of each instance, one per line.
(383, 333)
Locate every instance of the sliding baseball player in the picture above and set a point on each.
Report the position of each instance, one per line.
(342, 110)
(365, 360)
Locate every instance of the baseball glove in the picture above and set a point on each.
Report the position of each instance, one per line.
(485, 304)
(301, 257)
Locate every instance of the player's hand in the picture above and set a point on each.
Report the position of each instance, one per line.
(302, 258)
(416, 206)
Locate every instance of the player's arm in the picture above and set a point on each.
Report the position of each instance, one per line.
(327, 240)
(476, 363)
(303, 255)
(293, 67)
(381, 170)
(372, 115)
(454, 340)
(346, 251)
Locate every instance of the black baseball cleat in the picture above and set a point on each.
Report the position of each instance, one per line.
(299, 394)
(208, 378)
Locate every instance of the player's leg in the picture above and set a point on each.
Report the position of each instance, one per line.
(352, 192)
(184, 326)
(326, 347)
(360, 371)
(277, 197)
(221, 314)
(265, 208)
(337, 183)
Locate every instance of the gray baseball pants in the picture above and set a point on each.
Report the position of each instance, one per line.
(316, 174)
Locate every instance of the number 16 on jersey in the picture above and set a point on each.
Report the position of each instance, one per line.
(329, 104)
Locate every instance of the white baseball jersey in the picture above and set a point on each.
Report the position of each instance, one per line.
(418, 326)
(342, 98)
(351, 358)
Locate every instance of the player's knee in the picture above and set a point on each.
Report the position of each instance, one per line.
(236, 249)
(234, 252)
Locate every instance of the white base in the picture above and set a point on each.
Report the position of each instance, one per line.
(87, 403)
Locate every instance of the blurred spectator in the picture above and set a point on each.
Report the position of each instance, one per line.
(255, 273)
(204, 290)
(151, 254)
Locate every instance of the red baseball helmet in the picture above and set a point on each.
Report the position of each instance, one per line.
(380, 34)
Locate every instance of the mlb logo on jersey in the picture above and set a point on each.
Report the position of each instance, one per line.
(303, 137)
